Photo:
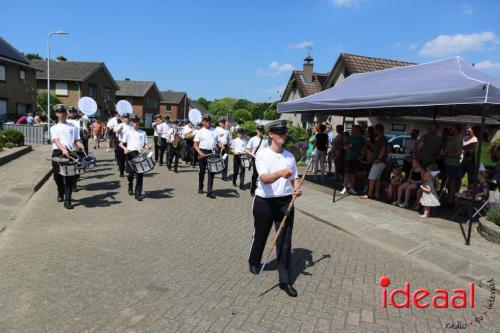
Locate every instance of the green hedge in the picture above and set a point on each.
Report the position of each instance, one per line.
(14, 137)
(494, 215)
(295, 133)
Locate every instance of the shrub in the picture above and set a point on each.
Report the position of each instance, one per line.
(494, 215)
(9, 145)
(296, 134)
(249, 127)
(12, 136)
(242, 114)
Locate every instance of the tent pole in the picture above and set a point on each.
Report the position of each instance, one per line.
(475, 173)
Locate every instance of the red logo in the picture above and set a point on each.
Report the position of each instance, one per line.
(423, 297)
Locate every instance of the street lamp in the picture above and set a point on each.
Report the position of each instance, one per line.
(48, 76)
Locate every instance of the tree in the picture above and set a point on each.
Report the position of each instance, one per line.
(32, 56)
(204, 102)
(243, 104)
(242, 114)
(259, 109)
(270, 114)
(222, 107)
(41, 99)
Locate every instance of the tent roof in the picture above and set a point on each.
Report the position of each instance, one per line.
(449, 82)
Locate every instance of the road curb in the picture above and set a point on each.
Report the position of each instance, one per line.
(13, 156)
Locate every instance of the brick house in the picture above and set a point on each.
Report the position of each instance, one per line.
(174, 104)
(17, 83)
(301, 84)
(71, 80)
(143, 95)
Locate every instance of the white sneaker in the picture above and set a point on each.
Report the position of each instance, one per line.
(344, 190)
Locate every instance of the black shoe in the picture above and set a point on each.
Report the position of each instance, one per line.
(211, 195)
(252, 194)
(224, 179)
(200, 191)
(176, 171)
(130, 189)
(254, 269)
(169, 168)
(234, 184)
(75, 189)
(122, 174)
(68, 205)
(138, 198)
(288, 289)
(60, 198)
(243, 188)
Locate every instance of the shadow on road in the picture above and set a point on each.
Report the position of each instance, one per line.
(102, 186)
(227, 193)
(302, 259)
(150, 174)
(98, 176)
(159, 194)
(100, 200)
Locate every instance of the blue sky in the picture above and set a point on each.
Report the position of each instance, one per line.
(247, 48)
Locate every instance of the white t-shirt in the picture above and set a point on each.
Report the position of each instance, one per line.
(207, 138)
(268, 162)
(162, 130)
(135, 139)
(171, 133)
(238, 145)
(74, 122)
(67, 134)
(112, 123)
(223, 135)
(186, 130)
(253, 143)
(154, 127)
(124, 129)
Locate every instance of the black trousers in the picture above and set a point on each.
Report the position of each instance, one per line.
(163, 149)
(238, 169)
(64, 184)
(266, 212)
(120, 157)
(223, 151)
(189, 152)
(132, 174)
(173, 155)
(85, 141)
(201, 174)
(255, 176)
(157, 142)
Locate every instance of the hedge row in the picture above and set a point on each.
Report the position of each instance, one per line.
(11, 138)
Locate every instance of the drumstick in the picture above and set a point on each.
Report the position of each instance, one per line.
(283, 222)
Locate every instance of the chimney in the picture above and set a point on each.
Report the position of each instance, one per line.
(61, 58)
(127, 79)
(308, 69)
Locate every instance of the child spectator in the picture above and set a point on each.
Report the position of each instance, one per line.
(429, 197)
(391, 190)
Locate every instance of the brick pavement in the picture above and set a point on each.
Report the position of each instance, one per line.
(178, 262)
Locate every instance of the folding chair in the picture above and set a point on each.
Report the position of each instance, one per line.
(477, 207)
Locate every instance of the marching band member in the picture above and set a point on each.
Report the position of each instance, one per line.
(156, 139)
(187, 136)
(224, 138)
(238, 148)
(254, 145)
(205, 141)
(277, 184)
(120, 131)
(174, 137)
(65, 136)
(162, 130)
(110, 134)
(132, 142)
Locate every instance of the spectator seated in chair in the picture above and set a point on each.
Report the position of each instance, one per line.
(412, 183)
(391, 189)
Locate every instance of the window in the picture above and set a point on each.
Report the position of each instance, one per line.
(92, 91)
(398, 127)
(151, 103)
(348, 125)
(3, 106)
(21, 108)
(2, 73)
(108, 95)
(61, 89)
(22, 75)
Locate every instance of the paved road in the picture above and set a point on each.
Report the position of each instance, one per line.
(177, 262)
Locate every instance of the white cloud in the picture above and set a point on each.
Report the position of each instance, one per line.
(449, 45)
(487, 64)
(346, 3)
(467, 10)
(302, 45)
(275, 69)
(396, 45)
(412, 46)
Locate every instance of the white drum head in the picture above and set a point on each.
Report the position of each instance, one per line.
(194, 116)
(87, 105)
(123, 107)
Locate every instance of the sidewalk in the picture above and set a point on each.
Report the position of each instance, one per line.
(433, 242)
(21, 178)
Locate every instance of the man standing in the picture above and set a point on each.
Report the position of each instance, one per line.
(65, 137)
(110, 133)
(431, 146)
(238, 148)
(380, 157)
(120, 131)
(162, 130)
(187, 136)
(174, 138)
(156, 138)
(254, 145)
(205, 142)
(469, 161)
(452, 168)
(224, 139)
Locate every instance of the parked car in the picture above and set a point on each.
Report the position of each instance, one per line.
(397, 142)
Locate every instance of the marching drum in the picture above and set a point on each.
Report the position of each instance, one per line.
(245, 161)
(142, 164)
(67, 169)
(215, 163)
(89, 161)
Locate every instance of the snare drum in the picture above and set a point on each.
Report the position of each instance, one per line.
(245, 161)
(89, 161)
(142, 164)
(67, 169)
(215, 164)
